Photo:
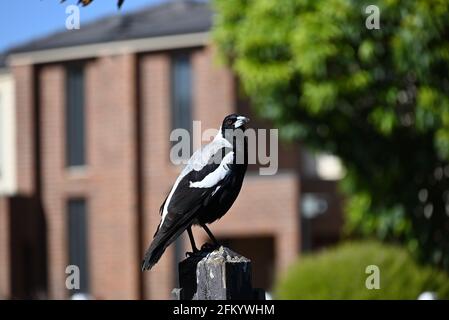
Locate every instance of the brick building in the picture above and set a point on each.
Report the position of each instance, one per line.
(93, 111)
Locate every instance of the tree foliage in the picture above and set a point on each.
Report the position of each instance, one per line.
(379, 99)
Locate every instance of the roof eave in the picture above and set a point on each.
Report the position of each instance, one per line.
(109, 48)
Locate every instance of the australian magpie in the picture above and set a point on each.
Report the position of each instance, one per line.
(205, 189)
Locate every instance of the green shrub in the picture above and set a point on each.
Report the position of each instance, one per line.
(339, 273)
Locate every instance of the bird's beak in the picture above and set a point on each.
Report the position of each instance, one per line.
(241, 120)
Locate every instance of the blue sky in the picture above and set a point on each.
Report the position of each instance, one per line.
(22, 20)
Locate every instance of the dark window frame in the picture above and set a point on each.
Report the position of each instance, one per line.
(77, 210)
(181, 109)
(75, 116)
(181, 90)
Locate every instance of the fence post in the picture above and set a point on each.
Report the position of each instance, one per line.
(218, 275)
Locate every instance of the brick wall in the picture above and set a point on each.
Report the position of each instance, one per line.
(111, 168)
(213, 89)
(24, 82)
(106, 182)
(4, 249)
(51, 87)
(158, 174)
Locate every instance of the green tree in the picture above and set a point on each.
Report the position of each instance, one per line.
(379, 99)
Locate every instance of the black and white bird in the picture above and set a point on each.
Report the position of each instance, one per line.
(205, 190)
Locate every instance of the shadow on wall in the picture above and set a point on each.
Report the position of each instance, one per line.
(28, 248)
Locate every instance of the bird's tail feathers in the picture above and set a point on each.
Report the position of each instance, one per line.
(162, 239)
(152, 256)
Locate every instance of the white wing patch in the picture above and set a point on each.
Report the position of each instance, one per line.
(213, 178)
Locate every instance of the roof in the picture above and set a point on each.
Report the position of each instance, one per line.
(175, 17)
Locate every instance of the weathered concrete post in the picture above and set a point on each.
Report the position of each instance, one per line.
(218, 275)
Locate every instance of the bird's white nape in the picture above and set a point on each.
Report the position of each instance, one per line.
(219, 135)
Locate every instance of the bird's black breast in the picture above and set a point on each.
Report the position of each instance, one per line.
(224, 198)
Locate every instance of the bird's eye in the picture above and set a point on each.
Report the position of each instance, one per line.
(229, 121)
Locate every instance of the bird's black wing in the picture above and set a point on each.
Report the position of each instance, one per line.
(183, 205)
(161, 208)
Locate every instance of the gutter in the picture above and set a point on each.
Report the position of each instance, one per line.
(108, 48)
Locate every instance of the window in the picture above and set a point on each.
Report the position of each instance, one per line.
(75, 126)
(77, 236)
(181, 92)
